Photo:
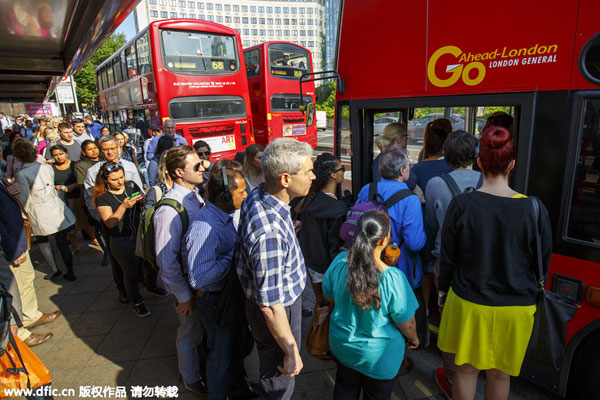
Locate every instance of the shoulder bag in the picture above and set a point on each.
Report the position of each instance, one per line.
(317, 333)
(548, 339)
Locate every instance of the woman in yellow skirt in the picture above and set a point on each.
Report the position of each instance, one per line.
(488, 265)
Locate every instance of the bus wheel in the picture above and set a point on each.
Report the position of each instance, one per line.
(588, 369)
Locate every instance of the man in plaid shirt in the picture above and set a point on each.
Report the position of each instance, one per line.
(271, 266)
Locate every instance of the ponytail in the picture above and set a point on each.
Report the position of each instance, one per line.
(363, 274)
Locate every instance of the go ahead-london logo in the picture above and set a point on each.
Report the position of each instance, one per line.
(471, 68)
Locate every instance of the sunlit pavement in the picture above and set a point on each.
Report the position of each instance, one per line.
(100, 342)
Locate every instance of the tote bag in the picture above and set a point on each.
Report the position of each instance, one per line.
(548, 339)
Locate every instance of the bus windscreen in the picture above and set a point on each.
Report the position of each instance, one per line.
(207, 108)
(288, 61)
(199, 53)
(287, 102)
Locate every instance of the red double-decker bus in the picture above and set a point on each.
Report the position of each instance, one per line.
(274, 70)
(537, 60)
(188, 70)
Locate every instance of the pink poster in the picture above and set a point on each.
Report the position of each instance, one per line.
(38, 109)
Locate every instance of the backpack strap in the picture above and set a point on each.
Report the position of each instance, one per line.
(177, 206)
(396, 197)
(451, 184)
(372, 191)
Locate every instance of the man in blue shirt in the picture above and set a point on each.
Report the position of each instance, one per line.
(94, 127)
(270, 264)
(209, 244)
(185, 169)
(169, 130)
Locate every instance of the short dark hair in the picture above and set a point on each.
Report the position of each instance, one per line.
(215, 187)
(460, 149)
(157, 129)
(200, 143)
(77, 121)
(23, 150)
(176, 159)
(391, 162)
(64, 125)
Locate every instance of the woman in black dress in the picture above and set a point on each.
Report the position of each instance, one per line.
(119, 205)
(66, 185)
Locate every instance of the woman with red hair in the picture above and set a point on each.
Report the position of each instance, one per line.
(488, 269)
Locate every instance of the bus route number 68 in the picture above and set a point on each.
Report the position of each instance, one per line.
(218, 65)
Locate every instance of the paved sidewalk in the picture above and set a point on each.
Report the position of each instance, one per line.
(99, 341)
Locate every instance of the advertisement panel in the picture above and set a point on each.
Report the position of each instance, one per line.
(38, 109)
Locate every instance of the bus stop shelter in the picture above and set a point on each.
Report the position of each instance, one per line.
(43, 40)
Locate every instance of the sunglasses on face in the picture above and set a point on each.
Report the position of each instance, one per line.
(200, 164)
(342, 168)
(203, 153)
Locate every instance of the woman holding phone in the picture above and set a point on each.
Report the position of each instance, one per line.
(119, 205)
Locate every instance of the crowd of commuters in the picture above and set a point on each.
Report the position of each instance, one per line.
(255, 229)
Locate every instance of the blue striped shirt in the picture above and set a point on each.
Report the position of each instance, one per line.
(208, 249)
(269, 261)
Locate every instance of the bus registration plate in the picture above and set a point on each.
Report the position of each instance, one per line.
(221, 143)
(293, 129)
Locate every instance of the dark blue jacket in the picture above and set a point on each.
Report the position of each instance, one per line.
(13, 237)
(95, 129)
(406, 220)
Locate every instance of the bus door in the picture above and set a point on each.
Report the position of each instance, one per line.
(469, 113)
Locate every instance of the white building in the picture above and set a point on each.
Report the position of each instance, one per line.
(300, 22)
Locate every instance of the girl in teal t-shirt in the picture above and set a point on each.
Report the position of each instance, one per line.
(374, 309)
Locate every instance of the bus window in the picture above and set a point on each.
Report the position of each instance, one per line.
(132, 68)
(194, 52)
(287, 102)
(252, 62)
(207, 108)
(584, 218)
(288, 61)
(110, 75)
(143, 52)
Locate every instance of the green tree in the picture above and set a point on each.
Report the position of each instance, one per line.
(326, 99)
(85, 79)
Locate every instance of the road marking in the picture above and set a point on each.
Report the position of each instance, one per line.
(423, 388)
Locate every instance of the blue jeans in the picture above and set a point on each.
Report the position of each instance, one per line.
(189, 336)
(225, 370)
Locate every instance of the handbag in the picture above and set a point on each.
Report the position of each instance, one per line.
(317, 333)
(21, 368)
(548, 339)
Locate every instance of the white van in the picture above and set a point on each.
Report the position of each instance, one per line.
(322, 120)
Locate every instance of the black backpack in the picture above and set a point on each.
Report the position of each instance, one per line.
(454, 187)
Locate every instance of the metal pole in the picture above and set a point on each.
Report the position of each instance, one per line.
(74, 93)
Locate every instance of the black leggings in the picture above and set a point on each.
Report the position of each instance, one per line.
(62, 243)
(349, 383)
(122, 249)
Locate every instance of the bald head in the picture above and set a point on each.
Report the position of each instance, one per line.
(169, 127)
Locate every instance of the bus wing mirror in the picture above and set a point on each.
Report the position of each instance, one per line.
(310, 114)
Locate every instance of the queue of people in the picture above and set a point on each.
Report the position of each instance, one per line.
(265, 225)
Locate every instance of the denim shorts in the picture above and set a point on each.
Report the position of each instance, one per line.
(316, 277)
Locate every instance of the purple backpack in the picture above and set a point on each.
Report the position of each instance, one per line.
(374, 202)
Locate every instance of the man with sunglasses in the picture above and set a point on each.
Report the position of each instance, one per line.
(169, 130)
(185, 169)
